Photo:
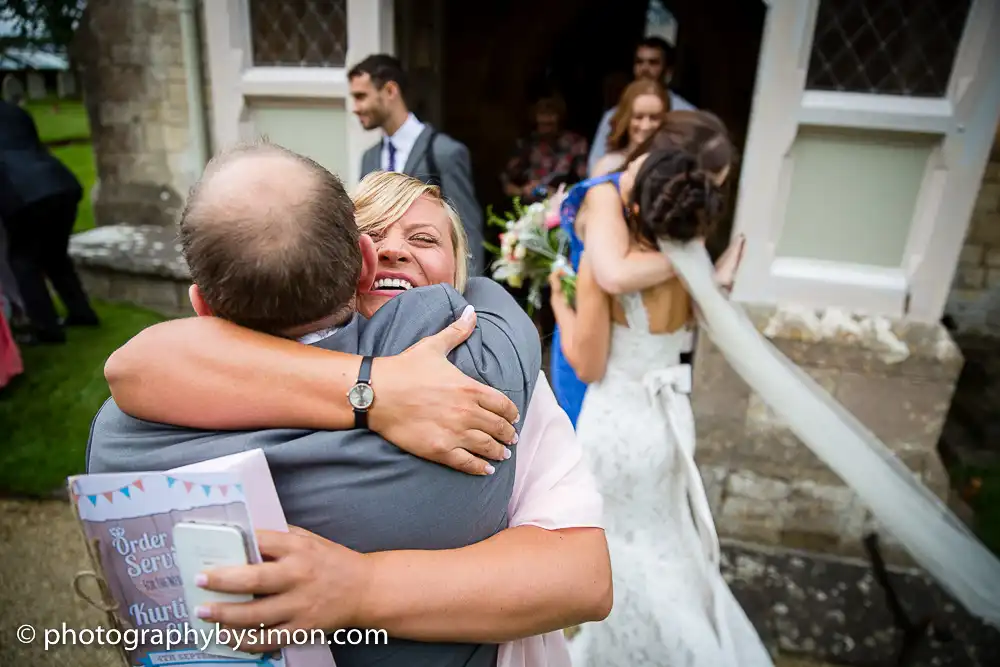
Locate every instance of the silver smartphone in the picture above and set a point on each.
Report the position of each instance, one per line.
(201, 547)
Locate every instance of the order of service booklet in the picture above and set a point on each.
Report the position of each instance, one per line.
(128, 522)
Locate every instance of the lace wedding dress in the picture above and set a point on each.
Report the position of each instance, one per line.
(672, 607)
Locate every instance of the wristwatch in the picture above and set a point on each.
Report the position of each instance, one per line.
(361, 396)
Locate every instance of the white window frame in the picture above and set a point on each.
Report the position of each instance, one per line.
(965, 119)
(235, 80)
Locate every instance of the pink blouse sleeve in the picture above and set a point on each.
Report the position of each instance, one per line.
(553, 484)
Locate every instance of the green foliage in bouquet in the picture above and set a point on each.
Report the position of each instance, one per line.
(531, 246)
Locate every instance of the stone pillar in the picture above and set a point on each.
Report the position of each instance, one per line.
(764, 485)
(974, 302)
(140, 265)
(133, 77)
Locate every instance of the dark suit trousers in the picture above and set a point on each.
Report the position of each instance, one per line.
(38, 237)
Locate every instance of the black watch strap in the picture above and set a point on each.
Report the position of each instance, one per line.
(364, 377)
(365, 372)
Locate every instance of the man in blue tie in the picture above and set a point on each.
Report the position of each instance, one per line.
(392, 154)
(378, 87)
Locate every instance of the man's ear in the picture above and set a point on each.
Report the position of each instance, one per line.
(391, 90)
(369, 263)
(198, 302)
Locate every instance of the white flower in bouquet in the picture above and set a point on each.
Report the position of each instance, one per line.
(535, 215)
(507, 243)
(508, 270)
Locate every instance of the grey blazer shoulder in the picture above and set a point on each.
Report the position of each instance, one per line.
(370, 159)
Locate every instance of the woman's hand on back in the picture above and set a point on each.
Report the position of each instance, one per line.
(429, 408)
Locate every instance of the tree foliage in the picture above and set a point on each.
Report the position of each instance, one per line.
(40, 23)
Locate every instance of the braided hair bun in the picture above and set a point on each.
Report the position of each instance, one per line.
(677, 200)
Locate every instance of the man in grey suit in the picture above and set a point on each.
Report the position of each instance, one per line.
(287, 260)
(378, 87)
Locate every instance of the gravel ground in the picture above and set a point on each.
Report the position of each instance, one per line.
(40, 552)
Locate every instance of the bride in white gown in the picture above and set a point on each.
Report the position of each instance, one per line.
(672, 607)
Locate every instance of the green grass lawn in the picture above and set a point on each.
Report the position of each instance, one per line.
(45, 413)
(60, 120)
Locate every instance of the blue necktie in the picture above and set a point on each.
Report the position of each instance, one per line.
(392, 156)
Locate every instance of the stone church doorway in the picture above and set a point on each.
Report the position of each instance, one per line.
(475, 73)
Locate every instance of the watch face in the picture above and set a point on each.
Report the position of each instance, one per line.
(361, 396)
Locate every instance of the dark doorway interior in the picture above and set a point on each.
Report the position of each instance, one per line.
(478, 67)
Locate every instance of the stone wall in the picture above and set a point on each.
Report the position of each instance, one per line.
(764, 485)
(141, 265)
(134, 81)
(974, 302)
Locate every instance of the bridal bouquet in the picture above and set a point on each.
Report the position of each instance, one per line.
(531, 247)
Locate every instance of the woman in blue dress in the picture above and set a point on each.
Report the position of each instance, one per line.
(568, 388)
(592, 211)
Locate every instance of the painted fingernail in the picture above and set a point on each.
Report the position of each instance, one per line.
(468, 313)
(516, 438)
(517, 418)
(202, 612)
(490, 469)
(201, 579)
(506, 453)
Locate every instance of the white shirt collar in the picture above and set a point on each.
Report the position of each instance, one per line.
(403, 140)
(317, 336)
(407, 132)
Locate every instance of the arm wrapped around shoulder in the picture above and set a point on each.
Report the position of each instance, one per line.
(504, 351)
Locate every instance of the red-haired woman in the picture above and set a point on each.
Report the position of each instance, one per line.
(639, 114)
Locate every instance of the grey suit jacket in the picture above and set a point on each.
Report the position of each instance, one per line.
(353, 487)
(455, 167)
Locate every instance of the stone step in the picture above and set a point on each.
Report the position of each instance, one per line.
(137, 264)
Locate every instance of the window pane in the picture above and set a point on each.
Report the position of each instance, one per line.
(886, 47)
(853, 194)
(316, 131)
(299, 33)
